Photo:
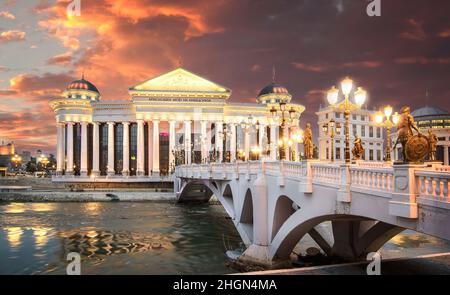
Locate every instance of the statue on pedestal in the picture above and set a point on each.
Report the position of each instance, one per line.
(358, 149)
(414, 147)
(308, 142)
(432, 141)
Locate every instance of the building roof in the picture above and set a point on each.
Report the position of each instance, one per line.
(429, 111)
(273, 88)
(82, 85)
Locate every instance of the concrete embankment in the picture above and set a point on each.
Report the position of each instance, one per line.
(434, 264)
(86, 196)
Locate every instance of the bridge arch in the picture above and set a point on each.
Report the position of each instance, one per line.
(351, 239)
(246, 216)
(284, 208)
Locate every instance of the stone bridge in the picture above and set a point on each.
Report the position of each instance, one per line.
(273, 204)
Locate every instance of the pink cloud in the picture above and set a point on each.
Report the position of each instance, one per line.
(12, 35)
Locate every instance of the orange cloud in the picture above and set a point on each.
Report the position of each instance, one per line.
(309, 68)
(444, 34)
(7, 15)
(12, 35)
(61, 59)
(415, 31)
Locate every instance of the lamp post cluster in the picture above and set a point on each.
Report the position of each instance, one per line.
(359, 97)
(383, 119)
(16, 160)
(331, 128)
(287, 122)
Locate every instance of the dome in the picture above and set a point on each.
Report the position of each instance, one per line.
(82, 85)
(273, 88)
(429, 111)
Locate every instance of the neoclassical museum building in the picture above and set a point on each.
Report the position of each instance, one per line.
(178, 117)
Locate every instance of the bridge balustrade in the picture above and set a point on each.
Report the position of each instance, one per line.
(433, 184)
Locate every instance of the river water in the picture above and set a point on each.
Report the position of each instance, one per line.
(136, 238)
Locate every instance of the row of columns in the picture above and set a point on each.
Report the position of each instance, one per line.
(153, 135)
(153, 152)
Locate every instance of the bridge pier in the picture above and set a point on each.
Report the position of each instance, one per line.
(258, 253)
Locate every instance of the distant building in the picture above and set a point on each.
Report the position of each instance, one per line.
(26, 156)
(361, 124)
(436, 119)
(7, 149)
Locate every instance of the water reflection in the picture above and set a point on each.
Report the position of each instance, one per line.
(14, 236)
(41, 236)
(92, 243)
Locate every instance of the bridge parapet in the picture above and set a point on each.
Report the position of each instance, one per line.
(434, 186)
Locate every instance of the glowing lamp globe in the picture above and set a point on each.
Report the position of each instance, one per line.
(360, 96)
(332, 95)
(379, 118)
(388, 111)
(347, 85)
(395, 118)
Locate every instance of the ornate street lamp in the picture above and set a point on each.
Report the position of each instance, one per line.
(347, 106)
(17, 160)
(329, 129)
(388, 124)
(284, 141)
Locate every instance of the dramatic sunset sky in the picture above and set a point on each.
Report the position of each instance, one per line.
(312, 43)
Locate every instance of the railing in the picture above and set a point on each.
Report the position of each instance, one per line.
(379, 179)
(435, 184)
(326, 173)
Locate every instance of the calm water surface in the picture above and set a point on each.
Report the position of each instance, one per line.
(137, 238)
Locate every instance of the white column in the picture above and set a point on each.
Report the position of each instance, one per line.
(140, 148)
(111, 170)
(208, 140)
(219, 140)
(446, 155)
(247, 143)
(69, 169)
(84, 149)
(95, 149)
(233, 142)
(187, 142)
(150, 148)
(262, 131)
(155, 169)
(59, 148)
(273, 141)
(204, 143)
(171, 142)
(126, 149)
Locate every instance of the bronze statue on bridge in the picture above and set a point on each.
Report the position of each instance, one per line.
(414, 147)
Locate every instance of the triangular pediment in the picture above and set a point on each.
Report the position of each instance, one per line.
(180, 80)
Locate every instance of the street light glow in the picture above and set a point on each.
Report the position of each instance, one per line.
(347, 86)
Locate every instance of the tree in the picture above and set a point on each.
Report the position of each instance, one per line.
(31, 167)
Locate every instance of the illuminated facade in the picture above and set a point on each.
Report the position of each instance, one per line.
(362, 124)
(175, 118)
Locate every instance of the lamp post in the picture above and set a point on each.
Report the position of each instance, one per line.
(347, 106)
(44, 161)
(331, 128)
(284, 141)
(17, 160)
(388, 124)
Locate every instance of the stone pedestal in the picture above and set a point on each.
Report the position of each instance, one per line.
(344, 194)
(403, 202)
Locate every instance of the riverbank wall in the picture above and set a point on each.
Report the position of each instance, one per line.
(86, 196)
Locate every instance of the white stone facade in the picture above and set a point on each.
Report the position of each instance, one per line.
(361, 123)
(177, 113)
